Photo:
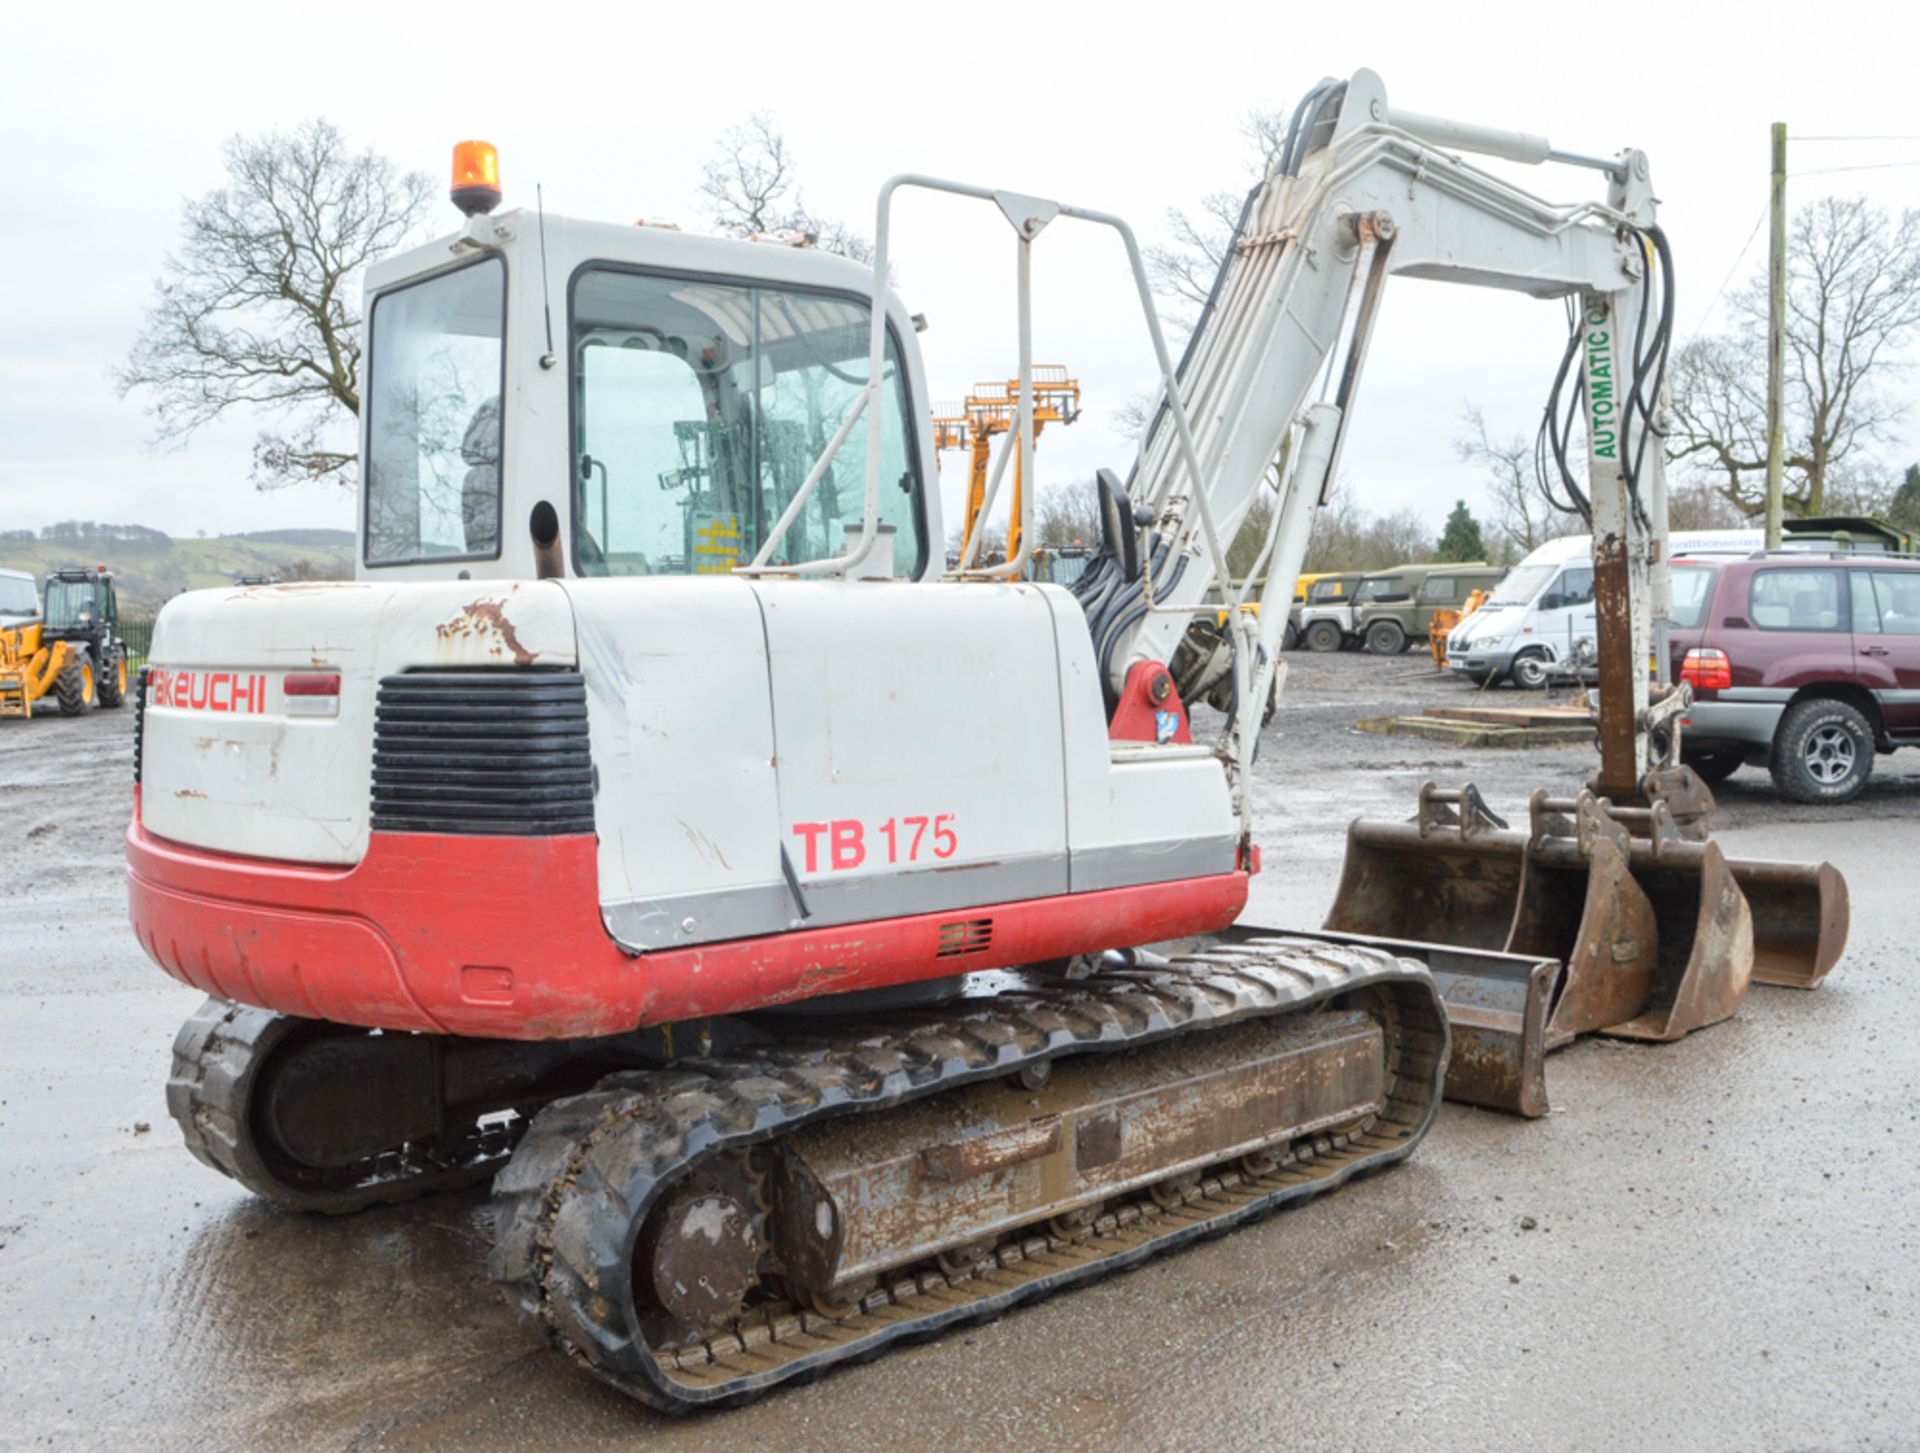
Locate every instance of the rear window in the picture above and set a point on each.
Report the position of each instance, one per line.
(1692, 585)
(1894, 606)
(1797, 600)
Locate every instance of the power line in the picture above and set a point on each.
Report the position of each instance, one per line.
(1907, 136)
(1876, 166)
(1714, 301)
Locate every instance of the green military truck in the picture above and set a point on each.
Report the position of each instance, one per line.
(1323, 618)
(1396, 606)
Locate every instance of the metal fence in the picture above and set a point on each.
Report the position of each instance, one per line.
(138, 634)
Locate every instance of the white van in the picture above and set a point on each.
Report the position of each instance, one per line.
(1542, 612)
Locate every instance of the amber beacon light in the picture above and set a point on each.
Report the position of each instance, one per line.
(476, 177)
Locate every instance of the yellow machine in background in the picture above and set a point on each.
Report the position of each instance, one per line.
(1443, 623)
(992, 409)
(71, 650)
(28, 669)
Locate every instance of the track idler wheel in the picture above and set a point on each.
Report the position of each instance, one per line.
(700, 1252)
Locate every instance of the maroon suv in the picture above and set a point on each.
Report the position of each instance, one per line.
(1807, 664)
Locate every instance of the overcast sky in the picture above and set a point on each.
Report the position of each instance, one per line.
(113, 114)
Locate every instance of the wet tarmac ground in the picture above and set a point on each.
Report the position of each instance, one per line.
(1711, 1244)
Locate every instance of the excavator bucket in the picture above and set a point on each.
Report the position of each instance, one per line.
(1800, 919)
(1651, 936)
(1703, 960)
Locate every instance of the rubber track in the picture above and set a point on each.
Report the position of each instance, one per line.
(570, 1202)
(215, 1056)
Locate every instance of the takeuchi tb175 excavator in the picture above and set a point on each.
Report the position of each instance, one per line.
(819, 946)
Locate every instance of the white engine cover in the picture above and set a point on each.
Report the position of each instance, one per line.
(767, 755)
(226, 765)
(905, 748)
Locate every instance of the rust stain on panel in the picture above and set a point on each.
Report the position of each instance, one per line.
(484, 618)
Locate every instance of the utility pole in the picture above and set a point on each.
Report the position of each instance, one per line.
(1776, 335)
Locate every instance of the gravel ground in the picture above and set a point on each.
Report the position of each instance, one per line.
(1708, 1245)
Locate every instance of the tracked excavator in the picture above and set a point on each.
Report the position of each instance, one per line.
(818, 947)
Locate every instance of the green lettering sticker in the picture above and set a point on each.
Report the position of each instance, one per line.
(1599, 384)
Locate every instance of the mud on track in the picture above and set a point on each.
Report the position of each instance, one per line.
(1723, 1250)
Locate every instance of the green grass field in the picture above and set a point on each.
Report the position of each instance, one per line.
(148, 573)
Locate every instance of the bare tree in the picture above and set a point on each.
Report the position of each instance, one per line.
(1697, 505)
(1853, 300)
(1067, 514)
(1346, 537)
(257, 310)
(749, 187)
(1182, 267)
(1522, 512)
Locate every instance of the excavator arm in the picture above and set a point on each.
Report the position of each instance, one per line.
(1357, 194)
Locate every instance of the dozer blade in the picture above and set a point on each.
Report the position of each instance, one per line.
(1651, 937)
(1496, 1005)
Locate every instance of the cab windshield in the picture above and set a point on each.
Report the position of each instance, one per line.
(435, 374)
(700, 406)
(1521, 585)
(70, 603)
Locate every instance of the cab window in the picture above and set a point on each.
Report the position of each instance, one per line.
(1797, 600)
(1381, 587)
(70, 603)
(1574, 587)
(700, 406)
(435, 374)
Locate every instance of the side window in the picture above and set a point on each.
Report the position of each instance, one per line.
(1691, 587)
(1438, 590)
(1798, 600)
(1576, 586)
(1897, 594)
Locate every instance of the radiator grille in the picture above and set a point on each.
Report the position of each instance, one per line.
(496, 752)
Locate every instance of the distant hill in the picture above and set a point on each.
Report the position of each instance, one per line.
(337, 539)
(149, 565)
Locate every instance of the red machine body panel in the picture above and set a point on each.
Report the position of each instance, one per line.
(502, 937)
